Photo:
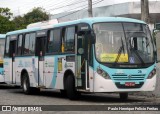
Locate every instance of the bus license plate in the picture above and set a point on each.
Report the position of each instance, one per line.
(130, 84)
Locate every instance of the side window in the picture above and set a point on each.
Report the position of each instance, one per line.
(29, 46)
(69, 39)
(50, 42)
(32, 43)
(7, 46)
(19, 47)
(54, 41)
(26, 45)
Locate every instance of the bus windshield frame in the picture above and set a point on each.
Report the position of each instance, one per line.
(123, 43)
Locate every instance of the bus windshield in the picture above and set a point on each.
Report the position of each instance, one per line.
(123, 43)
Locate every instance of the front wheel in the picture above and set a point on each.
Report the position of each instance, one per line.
(70, 87)
(63, 93)
(123, 96)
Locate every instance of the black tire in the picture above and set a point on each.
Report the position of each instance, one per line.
(63, 93)
(70, 88)
(26, 84)
(123, 96)
(35, 90)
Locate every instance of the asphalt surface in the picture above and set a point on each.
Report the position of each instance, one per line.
(14, 96)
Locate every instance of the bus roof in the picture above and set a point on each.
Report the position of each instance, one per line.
(90, 21)
(100, 19)
(23, 31)
(2, 36)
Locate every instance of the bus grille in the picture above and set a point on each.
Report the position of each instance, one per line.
(128, 77)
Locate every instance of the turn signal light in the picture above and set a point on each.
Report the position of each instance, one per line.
(152, 73)
(103, 73)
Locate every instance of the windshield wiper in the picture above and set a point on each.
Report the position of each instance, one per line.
(147, 43)
(118, 56)
(119, 52)
(122, 45)
(139, 57)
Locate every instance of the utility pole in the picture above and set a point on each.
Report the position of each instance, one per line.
(145, 11)
(90, 8)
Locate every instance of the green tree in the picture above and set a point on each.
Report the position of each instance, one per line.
(19, 22)
(5, 23)
(36, 15)
(5, 12)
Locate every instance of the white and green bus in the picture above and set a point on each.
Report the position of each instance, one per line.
(103, 54)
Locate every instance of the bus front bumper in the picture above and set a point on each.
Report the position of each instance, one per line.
(1, 78)
(108, 85)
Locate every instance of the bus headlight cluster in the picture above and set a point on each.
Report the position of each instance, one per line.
(152, 73)
(103, 73)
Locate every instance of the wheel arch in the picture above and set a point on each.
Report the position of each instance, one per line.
(22, 74)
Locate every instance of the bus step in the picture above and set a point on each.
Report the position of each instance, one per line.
(41, 86)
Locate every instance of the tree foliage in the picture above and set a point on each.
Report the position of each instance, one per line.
(5, 12)
(5, 23)
(20, 22)
(36, 15)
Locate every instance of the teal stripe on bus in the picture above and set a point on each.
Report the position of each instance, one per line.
(55, 72)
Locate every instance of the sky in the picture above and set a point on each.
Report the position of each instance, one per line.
(20, 7)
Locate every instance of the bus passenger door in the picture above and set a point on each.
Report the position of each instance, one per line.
(12, 49)
(82, 72)
(40, 50)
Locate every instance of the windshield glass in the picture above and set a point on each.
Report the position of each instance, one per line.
(123, 43)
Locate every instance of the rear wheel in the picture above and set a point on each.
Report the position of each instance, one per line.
(35, 90)
(26, 84)
(70, 88)
(123, 96)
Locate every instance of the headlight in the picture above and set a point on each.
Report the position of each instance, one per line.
(152, 73)
(103, 73)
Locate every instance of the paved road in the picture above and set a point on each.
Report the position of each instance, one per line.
(15, 96)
